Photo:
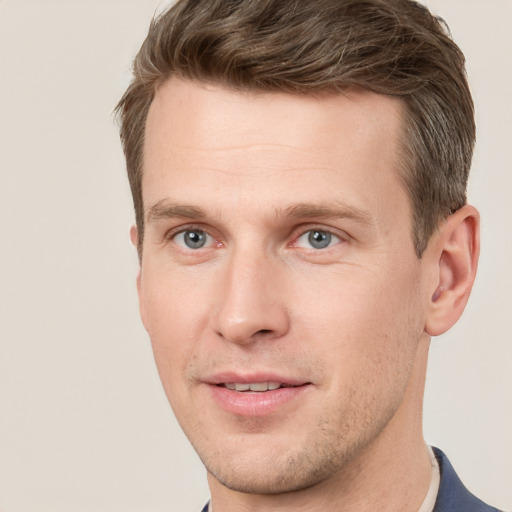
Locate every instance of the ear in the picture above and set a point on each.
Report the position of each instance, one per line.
(455, 257)
(134, 237)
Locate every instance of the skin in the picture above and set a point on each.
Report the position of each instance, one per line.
(255, 175)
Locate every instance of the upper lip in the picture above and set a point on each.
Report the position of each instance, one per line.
(251, 378)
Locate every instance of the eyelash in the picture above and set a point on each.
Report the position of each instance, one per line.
(173, 234)
(296, 236)
(330, 234)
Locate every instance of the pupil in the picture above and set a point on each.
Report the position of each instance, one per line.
(195, 239)
(319, 239)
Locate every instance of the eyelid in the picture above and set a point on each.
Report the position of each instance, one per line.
(297, 233)
(171, 235)
(304, 229)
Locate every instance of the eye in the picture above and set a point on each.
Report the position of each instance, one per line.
(192, 239)
(317, 239)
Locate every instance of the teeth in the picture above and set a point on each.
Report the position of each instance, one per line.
(255, 386)
(260, 386)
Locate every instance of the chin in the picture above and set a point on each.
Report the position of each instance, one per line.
(266, 472)
(273, 479)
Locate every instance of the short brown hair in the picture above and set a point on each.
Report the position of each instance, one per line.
(392, 47)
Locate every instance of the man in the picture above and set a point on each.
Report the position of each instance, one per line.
(298, 171)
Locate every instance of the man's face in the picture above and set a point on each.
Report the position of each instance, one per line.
(279, 283)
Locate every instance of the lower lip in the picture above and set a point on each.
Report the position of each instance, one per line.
(246, 403)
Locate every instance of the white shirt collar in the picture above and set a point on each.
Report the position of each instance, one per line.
(430, 499)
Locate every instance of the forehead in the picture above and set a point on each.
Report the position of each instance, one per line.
(182, 108)
(202, 134)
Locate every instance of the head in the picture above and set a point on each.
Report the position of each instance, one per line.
(299, 179)
(392, 48)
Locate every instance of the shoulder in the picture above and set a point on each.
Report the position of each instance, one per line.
(453, 495)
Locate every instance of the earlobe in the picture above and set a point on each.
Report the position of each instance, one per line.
(456, 250)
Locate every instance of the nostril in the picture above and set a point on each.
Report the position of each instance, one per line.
(241, 323)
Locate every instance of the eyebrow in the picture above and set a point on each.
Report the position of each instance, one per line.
(336, 211)
(167, 209)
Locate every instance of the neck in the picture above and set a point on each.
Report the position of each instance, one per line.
(392, 474)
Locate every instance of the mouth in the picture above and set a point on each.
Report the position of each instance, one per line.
(258, 396)
(255, 387)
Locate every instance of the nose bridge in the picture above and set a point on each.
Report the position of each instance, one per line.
(251, 304)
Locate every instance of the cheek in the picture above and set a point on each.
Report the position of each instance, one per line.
(368, 334)
(174, 308)
(362, 317)
(173, 298)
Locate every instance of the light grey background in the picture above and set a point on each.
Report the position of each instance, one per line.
(84, 424)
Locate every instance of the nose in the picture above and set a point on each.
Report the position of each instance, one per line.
(252, 303)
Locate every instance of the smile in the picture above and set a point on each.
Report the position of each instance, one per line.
(258, 387)
(257, 398)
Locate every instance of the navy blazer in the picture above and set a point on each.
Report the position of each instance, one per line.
(453, 495)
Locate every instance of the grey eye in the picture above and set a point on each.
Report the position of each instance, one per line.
(193, 239)
(319, 239)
